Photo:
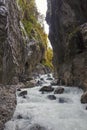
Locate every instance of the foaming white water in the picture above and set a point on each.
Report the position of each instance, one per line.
(36, 108)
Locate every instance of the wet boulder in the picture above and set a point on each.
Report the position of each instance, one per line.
(51, 97)
(37, 127)
(49, 75)
(19, 117)
(20, 85)
(24, 96)
(86, 108)
(59, 90)
(64, 100)
(18, 89)
(49, 78)
(84, 98)
(43, 92)
(42, 79)
(23, 93)
(30, 84)
(54, 83)
(47, 89)
(39, 82)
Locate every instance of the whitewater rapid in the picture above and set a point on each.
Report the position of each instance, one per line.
(36, 108)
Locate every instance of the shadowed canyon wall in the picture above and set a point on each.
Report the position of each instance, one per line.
(68, 35)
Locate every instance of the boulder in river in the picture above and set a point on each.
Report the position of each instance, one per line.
(30, 84)
(51, 97)
(86, 108)
(59, 90)
(37, 127)
(39, 82)
(84, 98)
(20, 85)
(24, 96)
(54, 83)
(23, 93)
(42, 79)
(19, 117)
(64, 100)
(47, 89)
(49, 78)
(49, 75)
(18, 89)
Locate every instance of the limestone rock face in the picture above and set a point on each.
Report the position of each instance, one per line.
(11, 42)
(18, 54)
(67, 23)
(7, 103)
(18, 57)
(3, 33)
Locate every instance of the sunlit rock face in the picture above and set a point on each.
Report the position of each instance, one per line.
(67, 23)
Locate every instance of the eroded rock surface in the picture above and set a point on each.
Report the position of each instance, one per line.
(84, 98)
(17, 57)
(23, 93)
(59, 90)
(7, 103)
(46, 89)
(67, 23)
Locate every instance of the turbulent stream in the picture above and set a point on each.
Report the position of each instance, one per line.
(38, 112)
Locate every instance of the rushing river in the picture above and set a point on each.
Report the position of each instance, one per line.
(36, 108)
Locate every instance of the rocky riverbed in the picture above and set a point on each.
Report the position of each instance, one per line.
(48, 106)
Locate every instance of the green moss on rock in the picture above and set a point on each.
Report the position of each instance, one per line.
(34, 29)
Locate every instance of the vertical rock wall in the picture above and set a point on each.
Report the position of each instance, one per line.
(11, 57)
(18, 53)
(18, 57)
(12, 46)
(67, 22)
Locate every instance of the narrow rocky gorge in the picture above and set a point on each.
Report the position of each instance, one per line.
(30, 97)
(20, 54)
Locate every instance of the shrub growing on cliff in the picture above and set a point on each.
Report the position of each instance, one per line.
(34, 28)
(48, 58)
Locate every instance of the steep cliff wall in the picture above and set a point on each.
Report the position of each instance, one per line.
(20, 45)
(19, 53)
(67, 22)
(12, 43)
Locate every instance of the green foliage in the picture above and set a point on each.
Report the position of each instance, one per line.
(35, 29)
(48, 58)
(29, 16)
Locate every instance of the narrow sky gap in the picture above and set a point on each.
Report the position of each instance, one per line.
(42, 9)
